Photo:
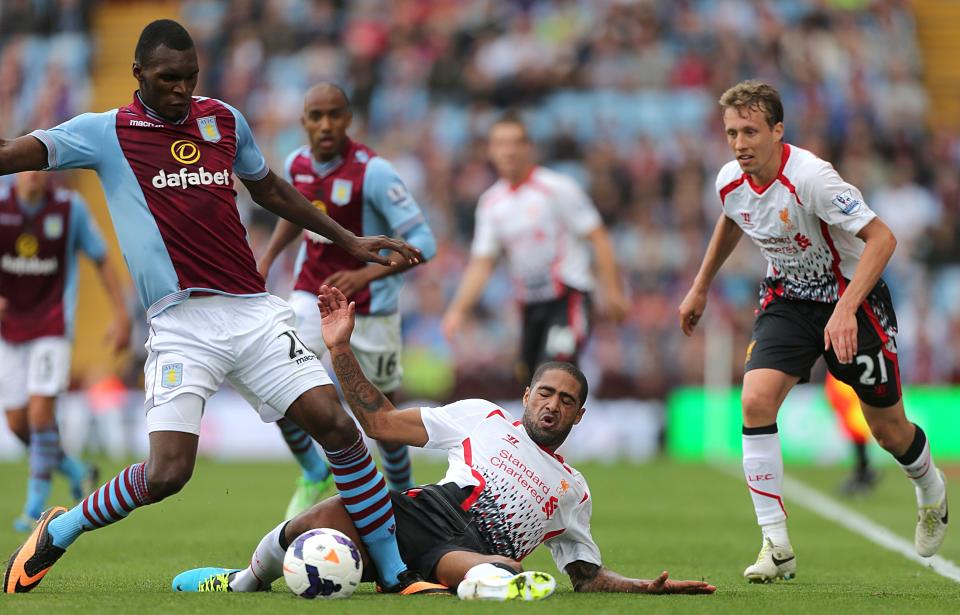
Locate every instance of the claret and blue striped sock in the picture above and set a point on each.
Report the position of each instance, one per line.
(108, 504)
(44, 455)
(396, 466)
(315, 469)
(365, 496)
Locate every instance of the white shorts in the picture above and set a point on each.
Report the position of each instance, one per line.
(250, 341)
(39, 367)
(376, 341)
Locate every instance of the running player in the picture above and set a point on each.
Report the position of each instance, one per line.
(546, 225)
(165, 162)
(42, 230)
(506, 491)
(362, 191)
(822, 296)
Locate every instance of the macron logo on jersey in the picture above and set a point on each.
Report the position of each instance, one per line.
(185, 151)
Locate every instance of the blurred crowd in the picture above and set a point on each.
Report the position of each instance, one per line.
(620, 94)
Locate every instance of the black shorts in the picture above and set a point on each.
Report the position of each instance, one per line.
(555, 330)
(430, 524)
(788, 337)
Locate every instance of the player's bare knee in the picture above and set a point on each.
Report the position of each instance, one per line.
(319, 413)
(759, 408)
(17, 422)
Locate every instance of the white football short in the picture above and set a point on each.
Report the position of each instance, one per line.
(249, 341)
(376, 341)
(39, 367)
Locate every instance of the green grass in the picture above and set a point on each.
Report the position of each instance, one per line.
(691, 520)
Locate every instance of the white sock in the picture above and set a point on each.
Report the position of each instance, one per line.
(485, 571)
(266, 565)
(763, 469)
(921, 471)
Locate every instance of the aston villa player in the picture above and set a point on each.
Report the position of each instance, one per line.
(163, 161)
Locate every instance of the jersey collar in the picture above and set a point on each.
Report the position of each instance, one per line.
(784, 156)
(153, 115)
(326, 168)
(30, 210)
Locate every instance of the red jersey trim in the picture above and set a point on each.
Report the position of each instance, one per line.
(835, 265)
(526, 178)
(785, 155)
(730, 188)
(468, 503)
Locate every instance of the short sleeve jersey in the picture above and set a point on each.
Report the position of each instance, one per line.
(805, 222)
(363, 193)
(39, 245)
(170, 194)
(541, 225)
(522, 495)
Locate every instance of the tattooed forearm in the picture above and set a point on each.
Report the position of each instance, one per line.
(588, 577)
(360, 393)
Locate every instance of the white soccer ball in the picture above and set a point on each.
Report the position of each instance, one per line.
(323, 563)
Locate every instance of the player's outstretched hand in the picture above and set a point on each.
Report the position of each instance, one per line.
(349, 281)
(663, 585)
(691, 309)
(337, 316)
(367, 249)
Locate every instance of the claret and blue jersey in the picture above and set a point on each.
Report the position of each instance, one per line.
(364, 194)
(170, 194)
(39, 244)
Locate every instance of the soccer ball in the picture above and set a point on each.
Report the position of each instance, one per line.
(322, 563)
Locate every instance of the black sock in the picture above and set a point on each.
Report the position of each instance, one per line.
(915, 448)
(282, 539)
(760, 431)
(863, 464)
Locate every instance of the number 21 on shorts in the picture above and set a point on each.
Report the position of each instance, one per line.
(870, 365)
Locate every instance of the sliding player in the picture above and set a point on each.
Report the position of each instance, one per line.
(506, 491)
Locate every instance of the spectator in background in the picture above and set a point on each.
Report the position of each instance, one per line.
(420, 79)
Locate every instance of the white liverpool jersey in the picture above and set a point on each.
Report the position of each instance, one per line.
(523, 495)
(805, 222)
(541, 224)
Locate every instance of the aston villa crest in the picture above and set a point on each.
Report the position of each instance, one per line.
(208, 128)
(341, 192)
(53, 226)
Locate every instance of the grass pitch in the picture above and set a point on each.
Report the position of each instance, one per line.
(694, 521)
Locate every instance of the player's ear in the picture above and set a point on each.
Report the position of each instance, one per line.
(778, 131)
(579, 415)
(526, 396)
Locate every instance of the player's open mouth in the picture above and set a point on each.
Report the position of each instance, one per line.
(548, 419)
(745, 158)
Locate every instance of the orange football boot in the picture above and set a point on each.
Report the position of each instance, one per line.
(35, 557)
